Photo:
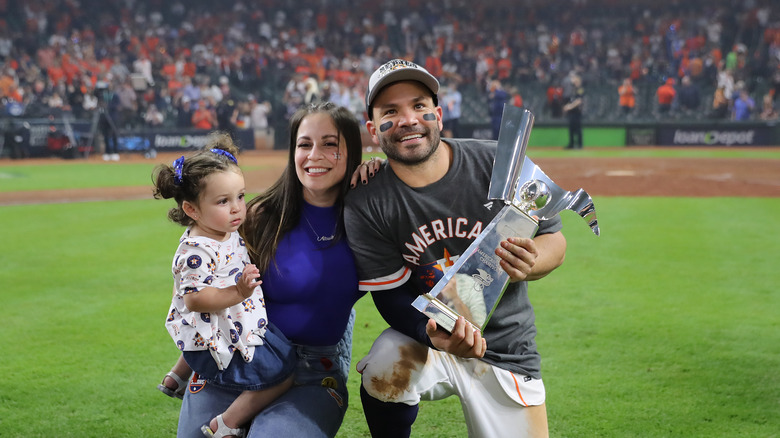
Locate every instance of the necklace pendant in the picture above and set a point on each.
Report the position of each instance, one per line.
(321, 238)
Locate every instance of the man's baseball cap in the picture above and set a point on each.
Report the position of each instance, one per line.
(399, 70)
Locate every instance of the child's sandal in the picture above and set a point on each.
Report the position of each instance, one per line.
(177, 392)
(222, 430)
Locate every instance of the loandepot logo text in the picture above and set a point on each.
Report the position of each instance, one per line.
(714, 137)
(171, 141)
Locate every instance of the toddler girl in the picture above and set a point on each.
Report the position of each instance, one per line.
(217, 317)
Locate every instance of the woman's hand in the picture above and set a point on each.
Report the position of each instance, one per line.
(366, 170)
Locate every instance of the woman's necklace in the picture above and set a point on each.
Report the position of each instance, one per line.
(321, 238)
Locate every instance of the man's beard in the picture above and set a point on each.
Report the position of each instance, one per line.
(390, 149)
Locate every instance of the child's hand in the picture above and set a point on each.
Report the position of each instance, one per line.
(249, 280)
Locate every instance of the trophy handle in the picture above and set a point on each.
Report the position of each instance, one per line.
(578, 201)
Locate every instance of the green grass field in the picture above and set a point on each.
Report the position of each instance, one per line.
(665, 326)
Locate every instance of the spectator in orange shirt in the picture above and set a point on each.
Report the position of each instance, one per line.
(720, 104)
(666, 94)
(433, 64)
(504, 67)
(768, 110)
(555, 100)
(516, 98)
(8, 82)
(204, 117)
(627, 96)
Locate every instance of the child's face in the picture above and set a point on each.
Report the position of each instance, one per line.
(320, 159)
(221, 207)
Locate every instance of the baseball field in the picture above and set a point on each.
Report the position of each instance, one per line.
(668, 325)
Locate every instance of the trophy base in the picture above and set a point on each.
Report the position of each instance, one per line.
(435, 309)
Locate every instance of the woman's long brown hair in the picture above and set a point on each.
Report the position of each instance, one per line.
(278, 210)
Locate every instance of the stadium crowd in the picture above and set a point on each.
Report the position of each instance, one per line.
(252, 62)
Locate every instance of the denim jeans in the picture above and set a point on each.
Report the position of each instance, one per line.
(313, 407)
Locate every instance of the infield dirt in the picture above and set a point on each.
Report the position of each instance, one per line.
(694, 177)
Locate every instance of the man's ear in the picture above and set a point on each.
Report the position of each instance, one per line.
(371, 128)
(190, 210)
(439, 116)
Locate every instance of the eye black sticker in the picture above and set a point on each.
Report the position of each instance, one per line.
(429, 117)
(385, 126)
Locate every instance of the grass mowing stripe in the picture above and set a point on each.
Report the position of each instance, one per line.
(664, 326)
(89, 278)
(77, 174)
(671, 321)
(70, 174)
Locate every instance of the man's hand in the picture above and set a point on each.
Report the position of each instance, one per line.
(464, 341)
(518, 257)
(532, 259)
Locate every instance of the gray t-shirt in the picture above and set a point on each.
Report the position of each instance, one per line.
(399, 233)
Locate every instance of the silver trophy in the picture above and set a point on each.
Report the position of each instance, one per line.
(474, 284)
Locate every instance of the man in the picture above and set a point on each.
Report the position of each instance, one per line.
(227, 109)
(573, 110)
(184, 113)
(414, 218)
(108, 114)
(451, 104)
(128, 105)
(743, 106)
(497, 98)
(665, 95)
(258, 121)
(689, 96)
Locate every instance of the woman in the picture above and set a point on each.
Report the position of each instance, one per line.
(295, 235)
(627, 97)
(720, 104)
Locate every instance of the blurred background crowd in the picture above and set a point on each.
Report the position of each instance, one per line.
(250, 63)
